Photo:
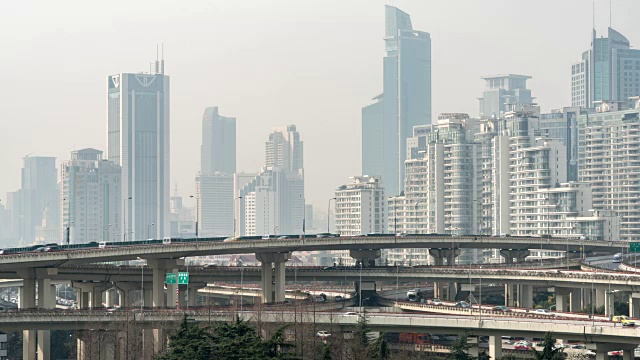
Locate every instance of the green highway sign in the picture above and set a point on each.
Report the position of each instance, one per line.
(634, 247)
(170, 278)
(183, 278)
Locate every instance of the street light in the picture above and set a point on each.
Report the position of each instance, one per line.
(68, 234)
(148, 232)
(197, 212)
(328, 215)
(234, 214)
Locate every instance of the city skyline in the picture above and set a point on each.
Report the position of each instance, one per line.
(362, 71)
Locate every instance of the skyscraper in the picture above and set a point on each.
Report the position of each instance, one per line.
(39, 196)
(609, 70)
(215, 181)
(502, 93)
(404, 103)
(273, 200)
(138, 141)
(218, 142)
(91, 196)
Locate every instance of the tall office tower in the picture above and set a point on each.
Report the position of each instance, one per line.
(285, 149)
(215, 181)
(504, 93)
(39, 196)
(275, 196)
(215, 212)
(360, 207)
(609, 70)
(404, 103)
(138, 141)
(90, 198)
(608, 149)
(218, 143)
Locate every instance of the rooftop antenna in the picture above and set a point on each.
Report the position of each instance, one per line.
(593, 12)
(162, 61)
(610, 1)
(157, 64)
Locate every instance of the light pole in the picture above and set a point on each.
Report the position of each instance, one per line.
(141, 285)
(148, 232)
(234, 214)
(241, 286)
(68, 229)
(198, 211)
(360, 287)
(328, 215)
(124, 219)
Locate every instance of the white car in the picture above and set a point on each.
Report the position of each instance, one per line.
(350, 313)
(323, 334)
(437, 302)
(542, 311)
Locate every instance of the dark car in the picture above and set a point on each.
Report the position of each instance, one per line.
(48, 248)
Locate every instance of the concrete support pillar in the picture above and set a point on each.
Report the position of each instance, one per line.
(438, 290)
(601, 350)
(452, 289)
(495, 347)
(364, 255)
(46, 300)
(148, 298)
(510, 255)
(271, 283)
(27, 294)
(124, 293)
(279, 276)
(608, 304)
(473, 351)
(109, 298)
(562, 298)
(600, 297)
(158, 300)
(634, 305)
(587, 298)
(159, 267)
(172, 291)
(575, 300)
(628, 354)
(508, 295)
(526, 296)
(267, 282)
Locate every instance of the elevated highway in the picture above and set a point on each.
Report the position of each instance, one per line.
(176, 250)
(601, 336)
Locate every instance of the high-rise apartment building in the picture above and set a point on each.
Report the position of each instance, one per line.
(215, 180)
(90, 198)
(360, 207)
(272, 201)
(609, 70)
(504, 93)
(404, 103)
(138, 140)
(608, 153)
(38, 197)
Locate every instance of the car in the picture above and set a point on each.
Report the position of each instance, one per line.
(267, 237)
(402, 234)
(229, 239)
(463, 304)
(282, 237)
(578, 347)
(436, 302)
(323, 334)
(520, 346)
(542, 311)
(339, 298)
(624, 320)
(350, 313)
(501, 308)
(616, 353)
(47, 248)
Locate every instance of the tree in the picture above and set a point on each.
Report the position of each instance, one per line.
(549, 350)
(236, 341)
(326, 353)
(277, 347)
(484, 356)
(189, 342)
(379, 349)
(460, 348)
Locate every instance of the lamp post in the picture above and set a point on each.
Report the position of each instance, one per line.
(148, 232)
(328, 215)
(68, 229)
(124, 218)
(197, 211)
(234, 214)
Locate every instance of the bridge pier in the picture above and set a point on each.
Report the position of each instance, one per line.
(27, 300)
(562, 297)
(439, 256)
(46, 300)
(495, 347)
(273, 287)
(124, 293)
(601, 350)
(525, 296)
(634, 305)
(365, 255)
(509, 294)
(575, 300)
(510, 254)
(609, 304)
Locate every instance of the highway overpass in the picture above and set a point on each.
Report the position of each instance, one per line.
(600, 336)
(438, 244)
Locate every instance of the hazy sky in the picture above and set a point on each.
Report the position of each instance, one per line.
(305, 62)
